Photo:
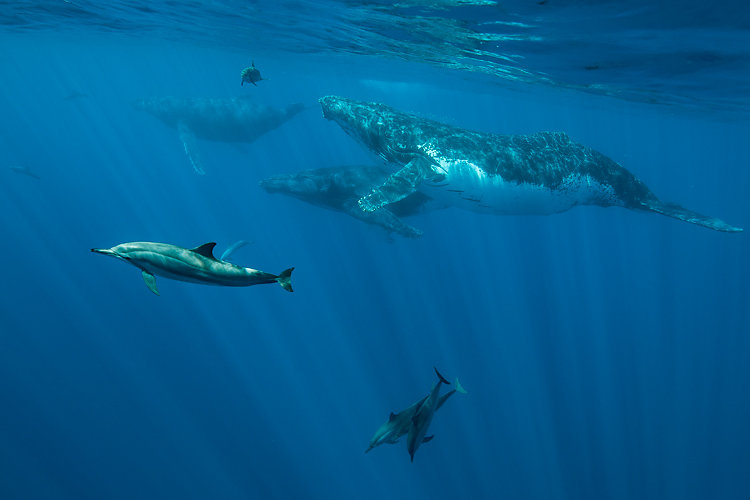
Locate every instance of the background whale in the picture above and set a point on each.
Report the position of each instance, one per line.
(339, 189)
(224, 119)
(541, 173)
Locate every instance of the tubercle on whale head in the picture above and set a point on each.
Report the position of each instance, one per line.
(367, 122)
(335, 108)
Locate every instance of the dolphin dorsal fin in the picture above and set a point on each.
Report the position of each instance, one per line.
(206, 250)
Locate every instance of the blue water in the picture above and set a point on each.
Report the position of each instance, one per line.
(606, 352)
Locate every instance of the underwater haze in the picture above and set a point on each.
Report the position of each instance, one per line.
(605, 351)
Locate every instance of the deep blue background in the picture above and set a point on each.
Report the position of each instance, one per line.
(606, 352)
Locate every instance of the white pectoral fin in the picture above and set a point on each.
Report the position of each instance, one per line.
(398, 186)
(233, 248)
(189, 142)
(150, 281)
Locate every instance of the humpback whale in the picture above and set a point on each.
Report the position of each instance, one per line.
(398, 424)
(339, 189)
(228, 119)
(196, 265)
(536, 174)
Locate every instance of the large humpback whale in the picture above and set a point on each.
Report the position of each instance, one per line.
(194, 265)
(339, 189)
(541, 173)
(228, 119)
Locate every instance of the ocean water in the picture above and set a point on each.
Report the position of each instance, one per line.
(606, 352)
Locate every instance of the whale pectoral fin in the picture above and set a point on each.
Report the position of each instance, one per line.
(189, 142)
(398, 186)
(681, 213)
(385, 219)
(428, 439)
(150, 281)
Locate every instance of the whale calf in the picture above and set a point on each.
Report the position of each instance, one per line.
(542, 173)
(339, 189)
(398, 424)
(196, 265)
(228, 119)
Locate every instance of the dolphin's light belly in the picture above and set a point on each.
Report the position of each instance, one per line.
(194, 270)
(468, 186)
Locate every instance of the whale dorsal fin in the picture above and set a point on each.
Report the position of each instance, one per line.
(391, 417)
(206, 250)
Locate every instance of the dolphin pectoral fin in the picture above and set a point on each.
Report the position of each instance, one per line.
(427, 439)
(189, 142)
(681, 213)
(398, 186)
(150, 281)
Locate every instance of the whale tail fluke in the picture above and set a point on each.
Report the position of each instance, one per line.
(285, 279)
(678, 212)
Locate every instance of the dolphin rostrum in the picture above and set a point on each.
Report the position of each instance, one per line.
(398, 424)
(196, 265)
(339, 188)
(216, 119)
(541, 173)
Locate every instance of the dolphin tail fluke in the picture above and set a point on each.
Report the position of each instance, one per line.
(442, 379)
(681, 213)
(285, 279)
(459, 387)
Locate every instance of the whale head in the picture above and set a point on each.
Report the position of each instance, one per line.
(381, 129)
(328, 187)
